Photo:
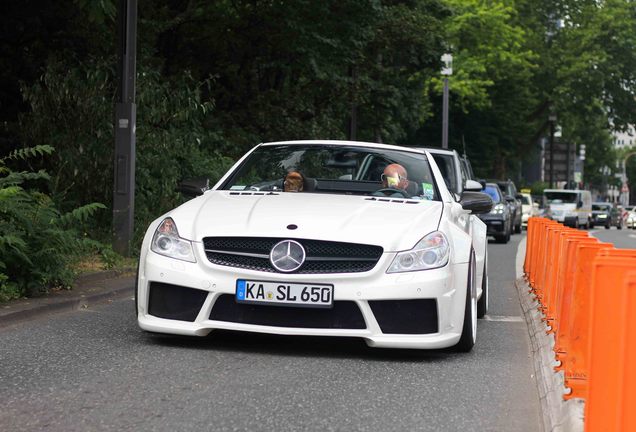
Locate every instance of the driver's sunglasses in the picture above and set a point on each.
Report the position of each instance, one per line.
(384, 176)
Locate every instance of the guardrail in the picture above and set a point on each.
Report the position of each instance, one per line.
(587, 294)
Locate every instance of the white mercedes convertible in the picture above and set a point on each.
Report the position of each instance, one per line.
(321, 238)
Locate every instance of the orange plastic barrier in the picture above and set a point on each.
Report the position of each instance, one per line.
(611, 402)
(556, 273)
(587, 291)
(565, 296)
(575, 357)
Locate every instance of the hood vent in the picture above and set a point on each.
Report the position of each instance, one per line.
(253, 193)
(399, 201)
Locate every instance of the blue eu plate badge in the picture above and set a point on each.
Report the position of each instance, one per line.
(240, 289)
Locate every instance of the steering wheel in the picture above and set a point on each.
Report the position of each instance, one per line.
(387, 192)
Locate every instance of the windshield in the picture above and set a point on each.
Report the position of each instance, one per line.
(525, 200)
(493, 192)
(336, 169)
(561, 197)
(600, 207)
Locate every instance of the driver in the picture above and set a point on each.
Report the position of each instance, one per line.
(395, 177)
(294, 182)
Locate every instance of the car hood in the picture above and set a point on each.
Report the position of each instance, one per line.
(394, 224)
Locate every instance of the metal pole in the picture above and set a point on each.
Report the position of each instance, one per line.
(445, 115)
(353, 116)
(551, 154)
(567, 166)
(125, 128)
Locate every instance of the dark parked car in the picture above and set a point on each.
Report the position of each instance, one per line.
(499, 220)
(513, 199)
(606, 214)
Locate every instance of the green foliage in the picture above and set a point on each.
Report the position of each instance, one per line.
(37, 243)
(537, 188)
(72, 110)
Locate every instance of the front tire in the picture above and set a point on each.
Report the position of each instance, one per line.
(469, 328)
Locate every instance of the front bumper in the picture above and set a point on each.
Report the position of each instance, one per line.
(440, 292)
(565, 219)
(496, 224)
(598, 220)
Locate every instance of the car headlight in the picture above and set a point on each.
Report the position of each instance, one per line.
(602, 216)
(167, 242)
(498, 209)
(429, 253)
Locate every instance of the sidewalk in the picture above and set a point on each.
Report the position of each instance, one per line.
(89, 289)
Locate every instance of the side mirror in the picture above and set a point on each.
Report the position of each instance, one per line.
(510, 199)
(519, 196)
(194, 187)
(476, 202)
(473, 186)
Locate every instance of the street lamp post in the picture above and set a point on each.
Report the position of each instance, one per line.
(552, 119)
(447, 71)
(125, 125)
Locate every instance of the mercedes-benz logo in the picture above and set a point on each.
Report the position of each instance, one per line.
(287, 256)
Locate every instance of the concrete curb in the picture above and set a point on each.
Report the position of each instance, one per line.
(558, 415)
(91, 289)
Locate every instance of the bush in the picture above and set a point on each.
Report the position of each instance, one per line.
(72, 108)
(37, 242)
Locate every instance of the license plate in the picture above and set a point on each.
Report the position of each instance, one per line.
(284, 293)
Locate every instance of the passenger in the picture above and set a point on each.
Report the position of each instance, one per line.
(294, 182)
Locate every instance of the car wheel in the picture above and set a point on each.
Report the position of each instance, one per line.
(591, 225)
(469, 328)
(482, 303)
(608, 226)
(518, 229)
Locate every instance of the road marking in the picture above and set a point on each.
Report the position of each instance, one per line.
(501, 318)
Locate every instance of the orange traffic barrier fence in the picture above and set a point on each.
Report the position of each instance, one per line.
(612, 304)
(586, 290)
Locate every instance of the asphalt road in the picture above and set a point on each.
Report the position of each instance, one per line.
(623, 239)
(95, 370)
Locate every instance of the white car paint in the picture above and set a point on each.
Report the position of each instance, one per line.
(344, 218)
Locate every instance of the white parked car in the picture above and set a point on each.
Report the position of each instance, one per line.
(528, 209)
(319, 238)
(630, 220)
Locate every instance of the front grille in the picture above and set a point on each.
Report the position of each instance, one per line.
(418, 316)
(321, 256)
(343, 314)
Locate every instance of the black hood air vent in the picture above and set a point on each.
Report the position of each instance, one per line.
(398, 201)
(253, 193)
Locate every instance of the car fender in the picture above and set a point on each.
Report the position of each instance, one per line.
(478, 233)
(458, 237)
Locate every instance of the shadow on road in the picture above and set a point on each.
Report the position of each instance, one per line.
(298, 346)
